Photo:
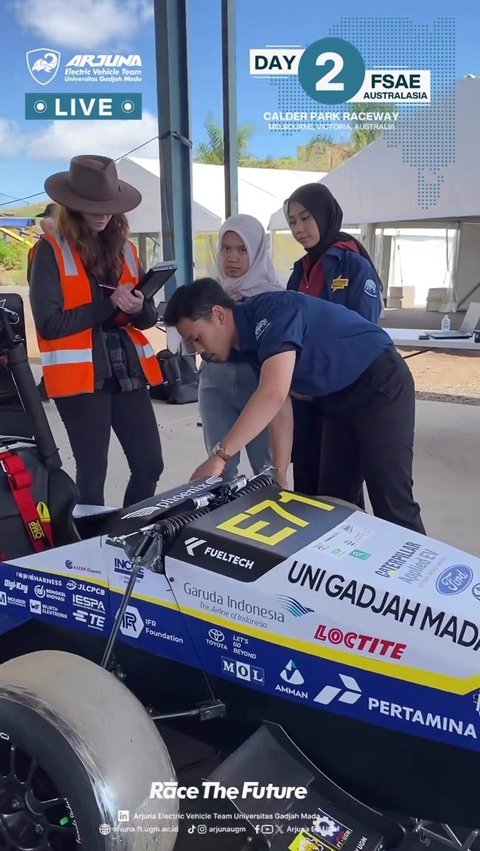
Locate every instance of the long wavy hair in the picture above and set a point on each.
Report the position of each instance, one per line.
(102, 254)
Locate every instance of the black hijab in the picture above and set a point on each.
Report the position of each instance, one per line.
(328, 215)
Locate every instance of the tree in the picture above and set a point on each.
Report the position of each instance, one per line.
(213, 151)
(365, 135)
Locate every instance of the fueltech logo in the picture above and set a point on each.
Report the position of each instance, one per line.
(360, 641)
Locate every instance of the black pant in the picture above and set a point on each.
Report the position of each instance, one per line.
(376, 417)
(307, 448)
(89, 418)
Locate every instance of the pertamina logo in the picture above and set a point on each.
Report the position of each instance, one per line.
(43, 64)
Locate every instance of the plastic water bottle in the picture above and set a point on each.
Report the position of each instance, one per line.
(445, 326)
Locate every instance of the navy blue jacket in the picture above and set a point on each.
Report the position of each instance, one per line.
(349, 280)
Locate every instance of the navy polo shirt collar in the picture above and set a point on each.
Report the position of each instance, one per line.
(245, 329)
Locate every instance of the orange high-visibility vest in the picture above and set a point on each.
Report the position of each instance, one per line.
(67, 362)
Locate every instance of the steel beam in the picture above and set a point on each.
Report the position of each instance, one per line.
(174, 138)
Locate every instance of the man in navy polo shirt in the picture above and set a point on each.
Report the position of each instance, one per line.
(310, 348)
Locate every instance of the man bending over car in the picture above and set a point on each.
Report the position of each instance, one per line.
(311, 348)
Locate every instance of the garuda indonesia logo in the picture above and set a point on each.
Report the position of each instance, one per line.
(293, 606)
(43, 64)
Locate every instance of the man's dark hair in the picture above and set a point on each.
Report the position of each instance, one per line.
(195, 301)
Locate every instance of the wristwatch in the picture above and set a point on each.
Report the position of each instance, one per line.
(219, 451)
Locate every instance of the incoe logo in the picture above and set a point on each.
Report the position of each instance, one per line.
(454, 579)
(332, 70)
(132, 623)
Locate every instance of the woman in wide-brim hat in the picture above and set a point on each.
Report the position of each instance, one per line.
(97, 363)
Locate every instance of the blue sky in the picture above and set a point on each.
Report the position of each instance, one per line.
(29, 151)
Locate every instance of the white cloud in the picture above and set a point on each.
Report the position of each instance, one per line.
(84, 24)
(11, 142)
(61, 140)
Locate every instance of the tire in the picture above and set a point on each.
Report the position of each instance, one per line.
(96, 750)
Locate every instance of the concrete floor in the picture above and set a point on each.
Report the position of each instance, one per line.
(447, 463)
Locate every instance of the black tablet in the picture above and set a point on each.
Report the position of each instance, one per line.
(156, 278)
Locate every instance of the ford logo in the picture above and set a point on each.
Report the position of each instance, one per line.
(454, 579)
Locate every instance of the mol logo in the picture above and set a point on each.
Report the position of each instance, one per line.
(243, 671)
(43, 64)
(132, 624)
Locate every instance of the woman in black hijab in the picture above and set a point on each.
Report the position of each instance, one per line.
(336, 267)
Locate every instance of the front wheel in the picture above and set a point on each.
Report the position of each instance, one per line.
(78, 755)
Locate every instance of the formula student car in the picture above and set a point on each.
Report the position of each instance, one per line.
(315, 646)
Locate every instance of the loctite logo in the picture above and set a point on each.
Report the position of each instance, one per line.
(360, 641)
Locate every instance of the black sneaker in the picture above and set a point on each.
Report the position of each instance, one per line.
(42, 391)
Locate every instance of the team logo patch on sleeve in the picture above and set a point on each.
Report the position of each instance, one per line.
(339, 284)
(370, 288)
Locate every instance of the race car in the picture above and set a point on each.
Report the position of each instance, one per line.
(321, 650)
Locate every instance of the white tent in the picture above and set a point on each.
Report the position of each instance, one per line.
(260, 191)
(144, 174)
(378, 186)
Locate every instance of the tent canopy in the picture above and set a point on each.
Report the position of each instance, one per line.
(377, 186)
(260, 191)
(144, 174)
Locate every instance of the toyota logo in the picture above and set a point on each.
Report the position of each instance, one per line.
(216, 635)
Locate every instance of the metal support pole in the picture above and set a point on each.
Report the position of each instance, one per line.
(229, 76)
(174, 138)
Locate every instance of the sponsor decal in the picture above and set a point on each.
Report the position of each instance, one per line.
(454, 579)
(418, 568)
(233, 608)
(243, 671)
(10, 585)
(3, 598)
(360, 554)
(192, 544)
(132, 624)
(339, 284)
(360, 641)
(12, 601)
(388, 605)
(90, 619)
(34, 577)
(35, 607)
(49, 593)
(151, 629)
(333, 832)
(425, 719)
(80, 568)
(216, 638)
(349, 692)
(293, 677)
(125, 567)
(291, 674)
(90, 603)
(229, 557)
(169, 501)
(476, 591)
(294, 607)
